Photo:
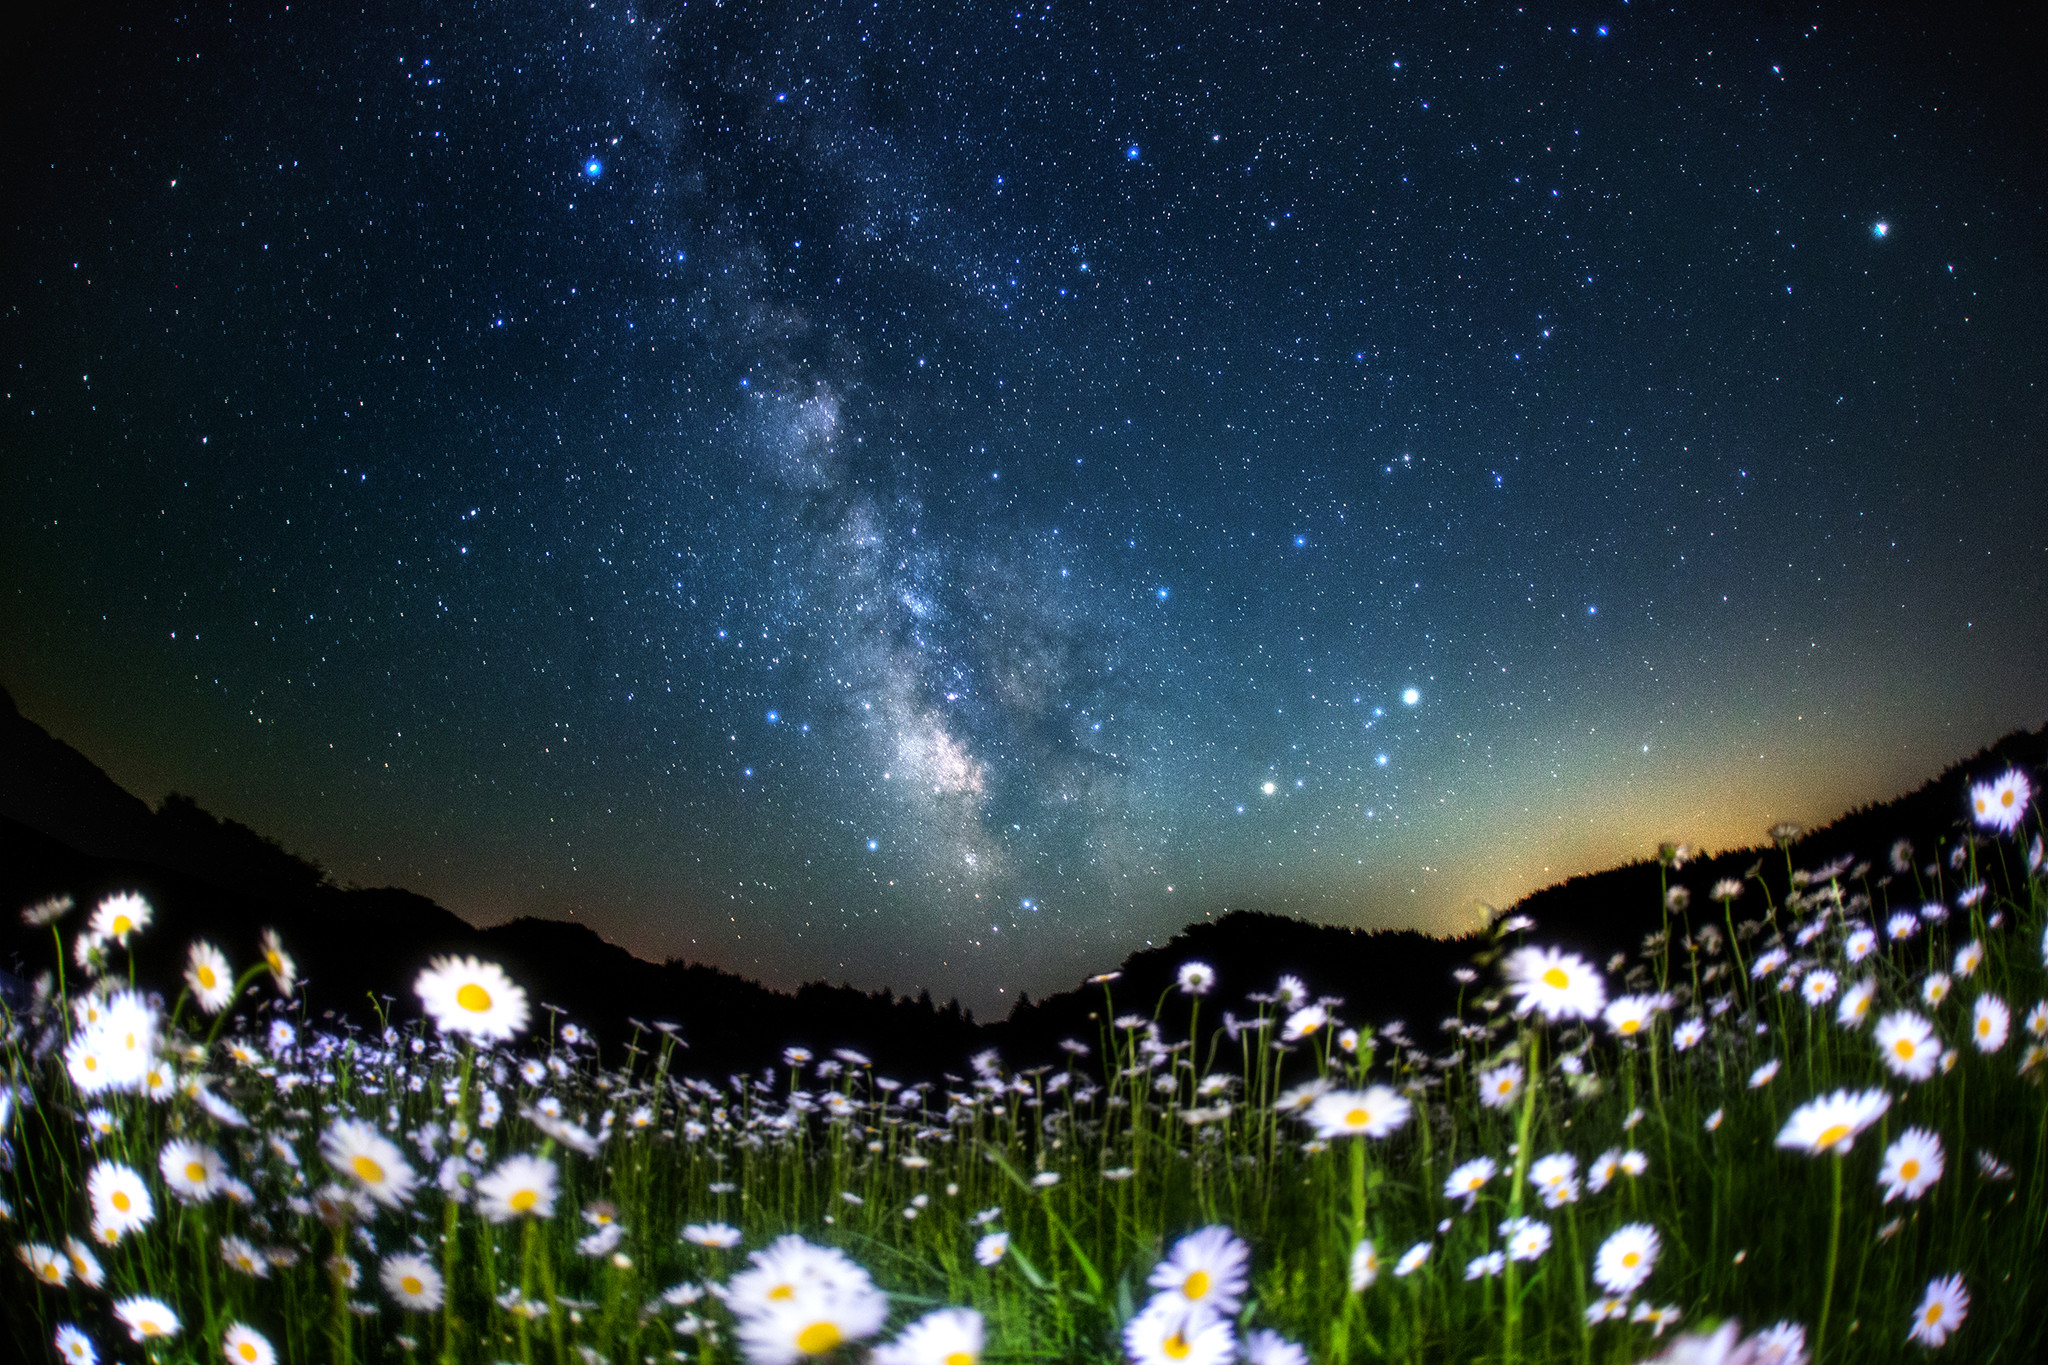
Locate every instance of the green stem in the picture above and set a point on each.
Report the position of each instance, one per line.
(1827, 1296)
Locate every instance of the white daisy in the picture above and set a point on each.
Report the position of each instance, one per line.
(120, 1199)
(1908, 1045)
(1818, 988)
(1912, 1165)
(950, 1336)
(44, 1264)
(1469, 1179)
(1861, 943)
(520, 1187)
(1626, 1258)
(1373, 1112)
(359, 1151)
(1990, 1022)
(1411, 1260)
(242, 1344)
(1628, 1015)
(1527, 1238)
(1556, 1178)
(1265, 1347)
(146, 1319)
(208, 977)
(1831, 1123)
(470, 997)
(1206, 1269)
(1935, 988)
(117, 917)
(1195, 978)
(1688, 1035)
(1501, 1086)
(84, 1265)
(1168, 1332)
(990, 1248)
(1941, 1311)
(1763, 1075)
(75, 1347)
(1365, 1266)
(412, 1281)
(193, 1171)
(2001, 803)
(1559, 985)
(716, 1235)
(283, 971)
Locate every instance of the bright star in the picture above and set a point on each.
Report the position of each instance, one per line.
(593, 168)
(1410, 697)
(1267, 789)
(1131, 153)
(1880, 229)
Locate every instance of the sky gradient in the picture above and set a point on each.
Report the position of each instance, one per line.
(939, 496)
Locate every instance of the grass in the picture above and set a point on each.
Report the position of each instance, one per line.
(1164, 1123)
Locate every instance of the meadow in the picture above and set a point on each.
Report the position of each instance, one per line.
(1804, 1126)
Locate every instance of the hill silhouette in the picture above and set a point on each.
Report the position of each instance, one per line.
(66, 828)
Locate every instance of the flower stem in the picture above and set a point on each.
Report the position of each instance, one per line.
(1827, 1293)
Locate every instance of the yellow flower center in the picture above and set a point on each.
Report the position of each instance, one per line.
(149, 1327)
(1195, 1285)
(206, 978)
(122, 925)
(782, 1291)
(818, 1338)
(1909, 1168)
(1904, 1047)
(1933, 1314)
(2007, 797)
(92, 1063)
(1832, 1135)
(195, 1172)
(274, 960)
(411, 1284)
(128, 1041)
(1631, 1025)
(367, 1171)
(246, 1350)
(1356, 1118)
(523, 1200)
(1177, 1347)
(473, 997)
(52, 1273)
(120, 1200)
(1556, 979)
(958, 1358)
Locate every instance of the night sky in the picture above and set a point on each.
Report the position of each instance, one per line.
(940, 496)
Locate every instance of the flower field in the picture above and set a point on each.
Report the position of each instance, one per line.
(1808, 1126)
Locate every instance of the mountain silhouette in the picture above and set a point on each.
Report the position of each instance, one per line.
(66, 828)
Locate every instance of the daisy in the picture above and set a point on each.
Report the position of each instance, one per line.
(1940, 1312)
(1270, 1348)
(1561, 985)
(1556, 1177)
(1601, 1173)
(1818, 988)
(1607, 1308)
(75, 1347)
(1196, 978)
(44, 1263)
(1763, 1075)
(471, 997)
(1411, 1260)
(1902, 925)
(242, 1344)
(1688, 1035)
(412, 1281)
(120, 1201)
(951, 1336)
(146, 1318)
(1831, 1123)
(1373, 1112)
(1167, 1330)
(791, 1271)
(1726, 889)
(117, 917)
(1628, 1015)
(1990, 1021)
(1908, 1045)
(1626, 1258)
(1782, 1343)
(990, 1248)
(1861, 943)
(1467, 1180)
(1912, 1165)
(283, 971)
(1501, 1086)
(84, 1265)
(241, 1256)
(715, 1235)
(1365, 1267)
(1935, 989)
(1714, 1119)
(521, 1186)
(1633, 1162)
(1855, 1006)
(208, 977)
(804, 1329)
(1303, 1022)
(356, 1149)
(2002, 803)
(1527, 1238)
(194, 1171)
(1206, 1269)
(92, 1066)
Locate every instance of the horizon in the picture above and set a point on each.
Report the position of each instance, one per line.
(947, 500)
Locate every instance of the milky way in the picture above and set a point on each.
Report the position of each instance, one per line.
(939, 497)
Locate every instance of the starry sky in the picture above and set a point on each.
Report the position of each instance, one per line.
(942, 495)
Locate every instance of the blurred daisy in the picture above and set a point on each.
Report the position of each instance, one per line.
(715, 1235)
(1206, 1269)
(208, 977)
(1818, 988)
(84, 1265)
(1556, 1178)
(520, 1187)
(990, 1248)
(1626, 1258)
(2001, 803)
(950, 1336)
(1969, 958)
(358, 1150)
(1908, 1045)
(1629, 1015)
(1265, 1347)
(1373, 1112)
(1365, 1266)
(1763, 1075)
(146, 1319)
(1303, 1022)
(1501, 1086)
(804, 1329)
(44, 1264)
(1633, 1162)
(242, 1344)
(1167, 1330)
(241, 1256)
(1855, 1006)
(1911, 1166)
(193, 1171)
(1688, 1035)
(1527, 1238)
(1607, 1308)
(1861, 943)
(1559, 985)
(1831, 1123)
(1935, 988)
(117, 917)
(471, 997)
(1601, 1173)
(75, 1347)
(1195, 978)
(412, 1282)
(120, 1200)
(1902, 925)
(1486, 1266)
(1990, 1167)
(790, 1270)
(1782, 1343)
(1469, 1179)
(1411, 1260)
(283, 971)
(1941, 1311)
(1990, 1022)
